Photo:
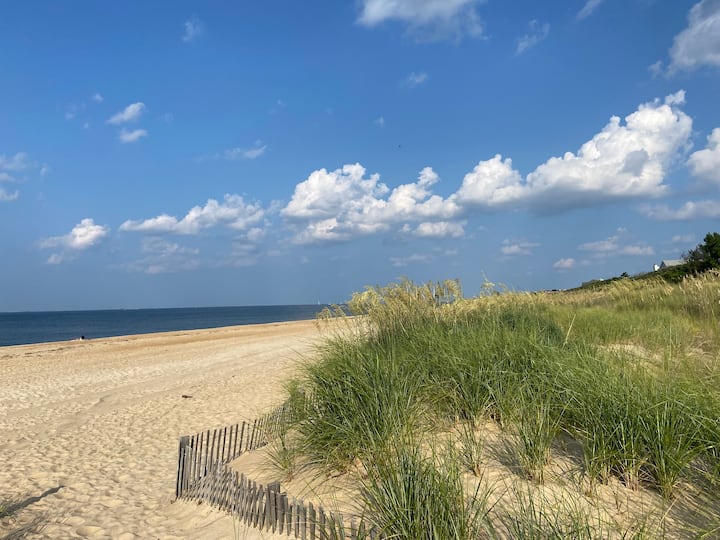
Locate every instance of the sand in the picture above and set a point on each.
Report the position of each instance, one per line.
(89, 429)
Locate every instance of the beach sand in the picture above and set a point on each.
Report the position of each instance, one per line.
(89, 429)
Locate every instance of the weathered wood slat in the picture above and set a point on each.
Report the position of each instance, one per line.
(313, 520)
(204, 474)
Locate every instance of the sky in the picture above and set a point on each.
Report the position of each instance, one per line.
(185, 153)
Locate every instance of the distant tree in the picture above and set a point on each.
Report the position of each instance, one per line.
(624, 275)
(705, 255)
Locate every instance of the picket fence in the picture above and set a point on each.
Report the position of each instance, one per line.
(204, 474)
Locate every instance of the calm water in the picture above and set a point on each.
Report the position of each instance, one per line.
(38, 327)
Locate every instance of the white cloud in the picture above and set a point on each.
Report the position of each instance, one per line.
(688, 211)
(491, 184)
(440, 229)
(17, 163)
(194, 28)
(400, 262)
(135, 135)
(380, 121)
(510, 248)
(416, 79)
(255, 235)
(656, 69)
(97, 97)
(601, 246)
(84, 235)
(705, 163)
(564, 264)
(637, 250)
(7, 196)
(699, 43)
(233, 213)
(343, 204)
(612, 246)
(683, 239)
(427, 20)
(162, 257)
(588, 8)
(537, 33)
(619, 162)
(131, 113)
(245, 153)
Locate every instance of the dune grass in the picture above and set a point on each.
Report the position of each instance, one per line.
(630, 372)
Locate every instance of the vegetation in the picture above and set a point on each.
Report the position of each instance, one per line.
(628, 374)
(706, 256)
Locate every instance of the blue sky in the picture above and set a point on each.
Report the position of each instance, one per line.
(163, 154)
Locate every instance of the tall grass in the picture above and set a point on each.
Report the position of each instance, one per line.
(630, 371)
(410, 495)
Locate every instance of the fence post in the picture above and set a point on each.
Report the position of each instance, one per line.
(181, 467)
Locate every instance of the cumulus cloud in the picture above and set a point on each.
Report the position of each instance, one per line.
(622, 161)
(127, 137)
(440, 229)
(492, 184)
(83, 236)
(699, 43)
(705, 164)
(342, 204)
(416, 79)
(194, 28)
(97, 97)
(511, 248)
(234, 213)
(625, 160)
(427, 20)
(538, 32)
(690, 210)
(588, 8)
(564, 264)
(131, 113)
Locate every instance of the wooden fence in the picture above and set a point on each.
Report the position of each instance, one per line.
(204, 475)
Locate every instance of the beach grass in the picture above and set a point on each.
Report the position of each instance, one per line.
(629, 373)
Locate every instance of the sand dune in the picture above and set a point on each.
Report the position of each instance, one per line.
(89, 429)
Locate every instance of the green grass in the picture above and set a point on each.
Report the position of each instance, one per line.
(630, 371)
(410, 495)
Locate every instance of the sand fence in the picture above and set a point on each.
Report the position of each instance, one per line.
(204, 475)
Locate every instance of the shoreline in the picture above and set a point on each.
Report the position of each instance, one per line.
(150, 335)
(46, 327)
(89, 428)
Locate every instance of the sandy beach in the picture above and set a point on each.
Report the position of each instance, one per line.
(89, 429)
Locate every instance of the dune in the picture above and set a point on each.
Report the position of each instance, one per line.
(89, 428)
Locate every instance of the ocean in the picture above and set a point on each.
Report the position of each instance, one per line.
(38, 327)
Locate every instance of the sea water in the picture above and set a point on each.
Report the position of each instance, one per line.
(42, 326)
